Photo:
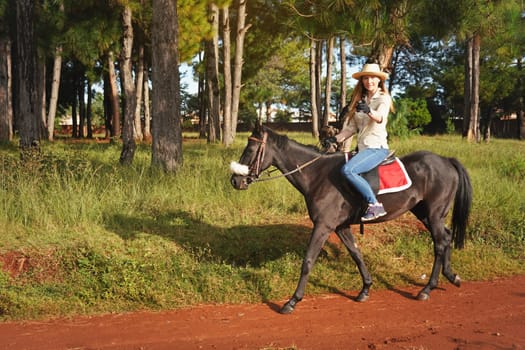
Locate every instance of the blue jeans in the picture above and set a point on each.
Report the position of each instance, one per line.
(362, 162)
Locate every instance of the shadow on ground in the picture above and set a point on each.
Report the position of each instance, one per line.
(239, 246)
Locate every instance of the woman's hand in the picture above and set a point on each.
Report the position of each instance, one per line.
(362, 107)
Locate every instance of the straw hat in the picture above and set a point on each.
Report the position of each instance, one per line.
(371, 69)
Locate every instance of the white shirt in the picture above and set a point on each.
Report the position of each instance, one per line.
(370, 134)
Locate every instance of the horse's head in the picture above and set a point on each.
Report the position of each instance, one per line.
(254, 160)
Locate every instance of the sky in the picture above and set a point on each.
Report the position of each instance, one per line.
(186, 73)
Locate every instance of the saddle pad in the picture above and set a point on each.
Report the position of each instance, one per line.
(393, 177)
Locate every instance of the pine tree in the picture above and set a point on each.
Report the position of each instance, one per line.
(167, 130)
(28, 105)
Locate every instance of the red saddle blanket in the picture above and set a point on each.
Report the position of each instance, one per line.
(393, 177)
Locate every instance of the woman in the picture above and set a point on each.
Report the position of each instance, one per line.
(367, 117)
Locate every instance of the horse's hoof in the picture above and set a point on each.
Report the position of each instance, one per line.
(362, 297)
(457, 281)
(287, 309)
(423, 296)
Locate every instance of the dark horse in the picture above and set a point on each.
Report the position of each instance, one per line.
(333, 205)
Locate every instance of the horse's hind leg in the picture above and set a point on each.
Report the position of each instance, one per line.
(447, 270)
(442, 239)
(345, 235)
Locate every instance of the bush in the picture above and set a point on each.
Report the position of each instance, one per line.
(410, 117)
(283, 116)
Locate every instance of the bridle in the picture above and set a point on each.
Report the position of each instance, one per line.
(255, 167)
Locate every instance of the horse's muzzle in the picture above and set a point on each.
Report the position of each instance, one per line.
(240, 182)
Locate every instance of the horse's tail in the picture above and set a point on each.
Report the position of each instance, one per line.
(462, 204)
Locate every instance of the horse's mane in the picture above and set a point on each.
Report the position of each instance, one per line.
(283, 141)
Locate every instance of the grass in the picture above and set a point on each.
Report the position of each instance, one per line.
(83, 235)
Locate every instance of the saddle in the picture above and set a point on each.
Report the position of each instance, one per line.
(389, 176)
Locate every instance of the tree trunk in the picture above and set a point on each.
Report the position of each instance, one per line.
(108, 114)
(128, 139)
(81, 106)
(260, 113)
(212, 77)
(53, 100)
(328, 86)
(6, 107)
(342, 50)
(487, 129)
(167, 129)
(268, 107)
(521, 108)
(521, 124)
(114, 98)
(41, 83)
(394, 64)
(313, 89)
(139, 73)
(201, 94)
(467, 88)
(28, 103)
(74, 119)
(319, 80)
(237, 63)
(89, 125)
(228, 131)
(203, 101)
(384, 56)
(473, 131)
(147, 115)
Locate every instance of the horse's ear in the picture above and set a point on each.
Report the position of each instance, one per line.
(259, 128)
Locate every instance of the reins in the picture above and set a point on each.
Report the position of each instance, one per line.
(255, 168)
(299, 168)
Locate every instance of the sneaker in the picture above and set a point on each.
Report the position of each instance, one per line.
(373, 212)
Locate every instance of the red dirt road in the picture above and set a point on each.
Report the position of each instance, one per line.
(479, 315)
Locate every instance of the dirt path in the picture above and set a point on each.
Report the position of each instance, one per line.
(479, 315)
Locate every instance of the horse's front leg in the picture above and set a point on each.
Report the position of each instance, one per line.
(317, 240)
(346, 236)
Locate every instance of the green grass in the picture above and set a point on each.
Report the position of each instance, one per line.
(83, 235)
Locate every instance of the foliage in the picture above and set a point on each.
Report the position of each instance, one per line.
(283, 79)
(283, 116)
(410, 117)
(247, 111)
(3, 9)
(91, 29)
(428, 57)
(193, 27)
(76, 240)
